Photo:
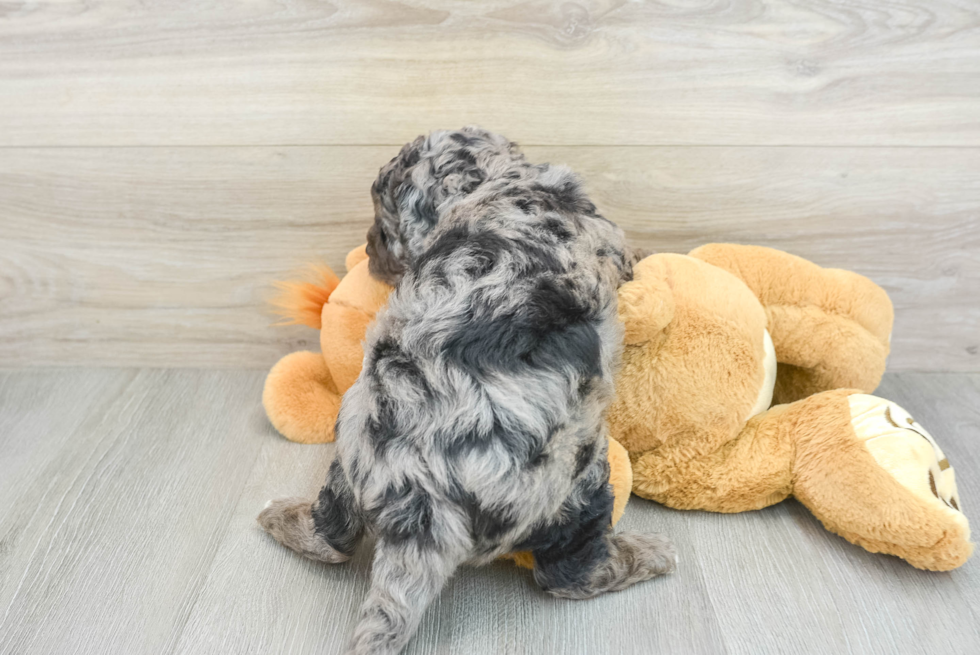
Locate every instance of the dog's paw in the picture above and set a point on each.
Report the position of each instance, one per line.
(290, 522)
(651, 554)
(284, 514)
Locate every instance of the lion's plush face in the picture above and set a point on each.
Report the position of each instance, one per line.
(907, 451)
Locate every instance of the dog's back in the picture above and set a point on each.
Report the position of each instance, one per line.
(486, 377)
(476, 426)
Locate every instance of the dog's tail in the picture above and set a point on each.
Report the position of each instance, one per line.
(300, 302)
(405, 578)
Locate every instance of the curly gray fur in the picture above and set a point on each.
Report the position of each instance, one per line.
(423, 182)
(476, 427)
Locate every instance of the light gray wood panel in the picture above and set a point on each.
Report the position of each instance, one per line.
(780, 583)
(40, 411)
(165, 256)
(111, 531)
(45, 407)
(557, 73)
(261, 597)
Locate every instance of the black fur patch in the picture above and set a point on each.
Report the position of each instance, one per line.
(522, 446)
(565, 335)
(462, 241)
(538, 458)
(558, 229)
(566, 552)
(583, 457)
(335, 516)
(392, 365)
(486, 524)
(554, 330)
(406, 515)
(382, 263)
(566, 198)
(461, 139)
(382, 425)
(586, 385)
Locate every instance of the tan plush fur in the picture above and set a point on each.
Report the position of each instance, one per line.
(710, 336)
(831, 328)
(301, 399)
(838, 479)
(687, 388)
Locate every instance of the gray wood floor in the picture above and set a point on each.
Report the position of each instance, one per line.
(127, 526)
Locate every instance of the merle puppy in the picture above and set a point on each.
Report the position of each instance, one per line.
(422, 183)
(476, 427)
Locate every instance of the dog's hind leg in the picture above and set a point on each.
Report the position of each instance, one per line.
(406, 577)
(628, 558)
(326, 530)
(581, 557)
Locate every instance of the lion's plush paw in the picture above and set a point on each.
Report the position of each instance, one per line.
(910, 455)
(300, 398)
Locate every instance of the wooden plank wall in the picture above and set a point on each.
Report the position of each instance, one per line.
(161, 163)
